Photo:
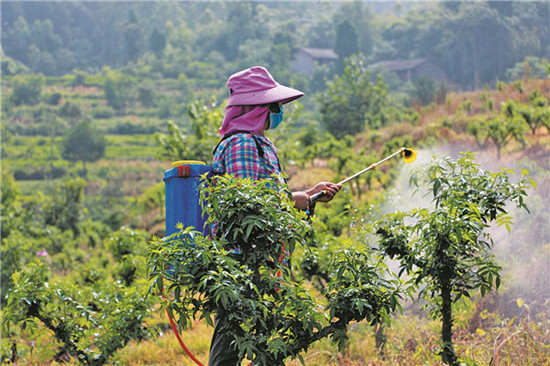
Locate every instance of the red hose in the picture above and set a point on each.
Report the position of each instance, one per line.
(178, 336)
(175, 329)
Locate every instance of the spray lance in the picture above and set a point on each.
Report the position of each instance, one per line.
(409, 155)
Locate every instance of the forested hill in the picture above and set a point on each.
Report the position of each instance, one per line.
(473, 43)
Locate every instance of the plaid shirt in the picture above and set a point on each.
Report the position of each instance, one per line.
(238, 155)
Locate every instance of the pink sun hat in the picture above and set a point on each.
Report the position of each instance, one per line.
(256, 86)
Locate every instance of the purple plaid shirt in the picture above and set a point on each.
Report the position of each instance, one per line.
(238, 155)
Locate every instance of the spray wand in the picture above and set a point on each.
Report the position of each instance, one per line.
(409, 155)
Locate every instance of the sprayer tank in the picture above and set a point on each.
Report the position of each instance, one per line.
(181, 184)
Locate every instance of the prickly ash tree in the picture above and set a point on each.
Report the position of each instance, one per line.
(446, 249)
(271, 317)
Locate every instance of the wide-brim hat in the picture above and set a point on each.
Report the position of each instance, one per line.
(256, 86)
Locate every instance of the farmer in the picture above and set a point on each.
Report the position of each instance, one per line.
(255, 105)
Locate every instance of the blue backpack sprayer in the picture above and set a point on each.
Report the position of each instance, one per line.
(181, 185)
(181, 188)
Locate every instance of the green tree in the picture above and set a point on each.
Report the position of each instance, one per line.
(425, 89)
(89, 323)
(280, 54)
(146, 96)
(118, 88)
(322, 32)
(27, 89)
(12, 219)
(42, 34)
(500, 131)
(83, 143)
(132, 37)
(472, 41)
(351, 102)
(280, 60)
(9, 200)
(242, 24)
(532, 68)
(18, 39)
(447, 248)
(540, 111)
(71, 111)
(346, 40)
(199, 142)
(157, 42)
(346, 43)
(536, 113)
(475, 41)
(79, 78)
(128, 248)
(532, 30)
(64, 210)
(271, 316)
(361, 17)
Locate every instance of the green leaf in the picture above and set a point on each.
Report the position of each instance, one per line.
(436, 186)
(248, 231)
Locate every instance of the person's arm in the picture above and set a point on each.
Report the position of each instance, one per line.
(303, 199)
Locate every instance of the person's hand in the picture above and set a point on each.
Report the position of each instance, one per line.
(301, 200)
(330, 190)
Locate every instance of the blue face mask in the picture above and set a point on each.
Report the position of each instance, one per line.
(275, 119)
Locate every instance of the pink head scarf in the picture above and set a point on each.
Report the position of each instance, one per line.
(251, 90)
(249, 118)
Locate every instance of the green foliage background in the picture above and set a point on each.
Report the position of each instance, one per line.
(65, 62)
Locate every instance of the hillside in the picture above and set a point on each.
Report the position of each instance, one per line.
(90, 226)
(98, 98)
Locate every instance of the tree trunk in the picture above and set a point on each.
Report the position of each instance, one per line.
(475, 61)
(380, 340)
(13, 357)
(448, 353)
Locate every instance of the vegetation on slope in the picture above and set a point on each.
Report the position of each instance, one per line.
(74, 239)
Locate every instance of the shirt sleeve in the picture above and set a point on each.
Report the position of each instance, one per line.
(241, 157)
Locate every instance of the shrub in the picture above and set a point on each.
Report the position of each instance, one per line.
(425, 89)
(351, 102)
(447, 248)
(89, 323)
(39, 173)
(102, 112)
(128, 248)
(54, 98)
(270, 316)
(83, 143)
(27, 89)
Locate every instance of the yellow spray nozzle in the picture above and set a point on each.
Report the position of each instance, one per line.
(409, 155)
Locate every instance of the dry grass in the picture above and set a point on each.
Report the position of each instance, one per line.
(166, 350)
(300, 179)
(411, 340)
